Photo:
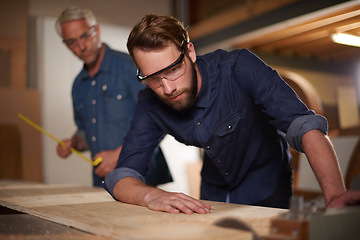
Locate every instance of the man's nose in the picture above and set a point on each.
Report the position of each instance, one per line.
(80, 43)
(168, 86)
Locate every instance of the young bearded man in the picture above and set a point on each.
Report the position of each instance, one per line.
(235, 107)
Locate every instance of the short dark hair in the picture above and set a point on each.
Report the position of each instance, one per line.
(157, 31)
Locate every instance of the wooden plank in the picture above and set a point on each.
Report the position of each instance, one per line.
(94, 211)
(15, 225)
(234, 15)
(27, 102)
(17, 47)
(286, 31)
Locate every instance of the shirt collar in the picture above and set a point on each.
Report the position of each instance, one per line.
(104, 66)
(203, 99)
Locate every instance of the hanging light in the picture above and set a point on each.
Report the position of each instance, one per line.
(346, 39)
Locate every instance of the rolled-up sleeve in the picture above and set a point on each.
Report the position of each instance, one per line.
(302, 125)
(116, 175)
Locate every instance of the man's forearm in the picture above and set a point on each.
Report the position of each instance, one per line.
(133, 191)
(323, 161)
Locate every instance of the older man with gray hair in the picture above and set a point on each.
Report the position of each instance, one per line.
(104, 96)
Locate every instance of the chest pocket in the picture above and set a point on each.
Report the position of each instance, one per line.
(118, 107)
(231, 129)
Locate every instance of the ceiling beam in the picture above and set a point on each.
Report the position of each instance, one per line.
(237, 14)
(227, 37)
(327, 23)
(297, 35)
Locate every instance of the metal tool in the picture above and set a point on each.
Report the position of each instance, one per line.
(310, 223)
(234, 223)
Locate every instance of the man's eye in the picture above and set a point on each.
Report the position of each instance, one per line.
(174, 69)
(153, 79)
(70, 41)
(85, 36)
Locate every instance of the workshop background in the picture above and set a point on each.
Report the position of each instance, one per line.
(292, 36)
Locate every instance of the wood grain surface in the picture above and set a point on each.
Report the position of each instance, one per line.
(93, 210)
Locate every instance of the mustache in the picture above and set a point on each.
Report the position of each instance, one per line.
(172, 95)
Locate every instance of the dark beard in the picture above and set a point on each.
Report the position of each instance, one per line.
(192, 93)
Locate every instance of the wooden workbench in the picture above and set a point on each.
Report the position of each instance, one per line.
(94, 211)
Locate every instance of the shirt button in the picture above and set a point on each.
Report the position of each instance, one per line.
(93, 138)
(199, 124)
(119, 97)
(229, 127)
(93, 102)
(227, 174)
(207, 147)
(218, 161)
(93, 120)
(93, 82)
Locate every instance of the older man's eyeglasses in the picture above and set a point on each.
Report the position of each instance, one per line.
(71, 42)
(171, 73)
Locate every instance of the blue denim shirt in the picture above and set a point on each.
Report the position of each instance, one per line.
(241, 117)
(104, 104)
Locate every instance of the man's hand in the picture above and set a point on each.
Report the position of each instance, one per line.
(64, 151)
(76, 142)
(175, 203)
(348, 198)
(110, 158)
(133, 191)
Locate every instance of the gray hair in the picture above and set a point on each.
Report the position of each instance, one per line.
(75, 13)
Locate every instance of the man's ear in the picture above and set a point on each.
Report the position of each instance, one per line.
(97, 30)
(191, 52)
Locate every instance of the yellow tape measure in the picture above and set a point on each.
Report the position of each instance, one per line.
(31, 123)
